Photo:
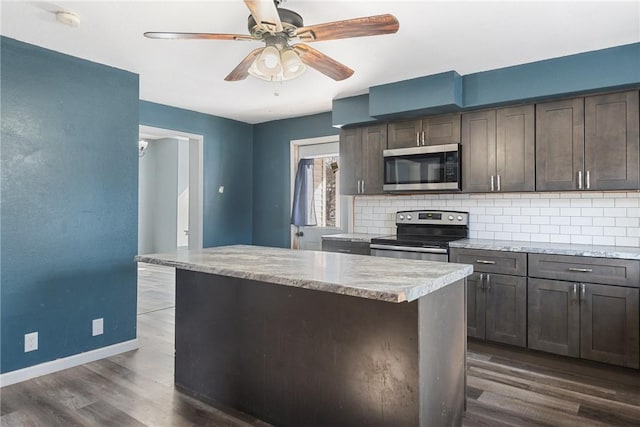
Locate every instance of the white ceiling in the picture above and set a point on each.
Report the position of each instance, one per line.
(434, 36)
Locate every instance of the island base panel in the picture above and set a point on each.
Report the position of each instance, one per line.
(293, 356)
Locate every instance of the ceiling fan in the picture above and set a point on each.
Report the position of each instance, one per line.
(277, 28)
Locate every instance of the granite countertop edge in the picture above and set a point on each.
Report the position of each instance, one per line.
(361, 284)
(595, 251)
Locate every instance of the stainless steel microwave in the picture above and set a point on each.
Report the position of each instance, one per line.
(431, 167)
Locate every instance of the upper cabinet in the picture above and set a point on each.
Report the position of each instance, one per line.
(611, 145)
(444, 129)
(498, 150)
(361, 160)
(588, 143)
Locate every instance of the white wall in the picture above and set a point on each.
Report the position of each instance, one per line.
(599, 218)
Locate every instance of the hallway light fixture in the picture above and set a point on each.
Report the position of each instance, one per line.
(142, 147)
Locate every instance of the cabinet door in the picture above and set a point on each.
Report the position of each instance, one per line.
(506, 316)
(475, 306)
(554, 317)
(609, 325)
(559, 144)
(404, 134)
(478, 150)
(374, 141)
(515, 149)
(441, 129)
(350, 160)
(611, 141)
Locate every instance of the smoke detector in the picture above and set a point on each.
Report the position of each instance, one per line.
(68, 18)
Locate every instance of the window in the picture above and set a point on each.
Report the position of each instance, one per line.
(326, 191)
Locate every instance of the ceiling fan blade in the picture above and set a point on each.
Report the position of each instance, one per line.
(266, 14)
(242, 69)
(321, 62)
(358, 27)
(203, 36)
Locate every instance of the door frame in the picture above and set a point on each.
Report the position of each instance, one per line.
(196, 179)
(294, 146)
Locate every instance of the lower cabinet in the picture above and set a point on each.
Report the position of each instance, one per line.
(497, 308)
(586, 320)
(496, 295)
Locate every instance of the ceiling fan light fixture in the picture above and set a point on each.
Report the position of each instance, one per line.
(292, 66)
(268, 62)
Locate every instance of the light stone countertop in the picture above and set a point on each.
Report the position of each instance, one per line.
(621, 252)
(351, 237)
(385, 279)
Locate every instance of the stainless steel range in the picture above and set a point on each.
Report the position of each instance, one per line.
(423, 235)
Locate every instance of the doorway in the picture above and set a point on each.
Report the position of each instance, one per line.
(333, 212)
(170, 207)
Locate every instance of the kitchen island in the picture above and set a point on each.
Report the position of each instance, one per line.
(317, 338)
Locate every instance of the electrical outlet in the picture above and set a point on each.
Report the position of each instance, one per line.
(30, 342)
(97, 326)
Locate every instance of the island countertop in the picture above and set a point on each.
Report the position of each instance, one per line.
(385, 279)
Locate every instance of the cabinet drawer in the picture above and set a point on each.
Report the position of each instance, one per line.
(608, 271)
(501, 262)
(346, 247)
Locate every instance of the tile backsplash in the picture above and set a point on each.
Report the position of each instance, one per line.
(598, 218)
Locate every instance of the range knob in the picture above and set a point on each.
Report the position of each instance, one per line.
(450, 217)
(409, 217)
(400, 217)
(459, 217)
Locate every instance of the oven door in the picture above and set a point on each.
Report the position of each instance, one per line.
(406, 252)
(435, 167)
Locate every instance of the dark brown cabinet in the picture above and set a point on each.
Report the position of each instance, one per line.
(579, 318)
(498, 150)
(361, 160)
(496, 297)
(346, 246)
(435, 130)
(588, 143)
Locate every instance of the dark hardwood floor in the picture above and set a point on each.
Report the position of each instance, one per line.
(506, 386)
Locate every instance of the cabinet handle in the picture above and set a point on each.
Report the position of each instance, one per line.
(498, 179)
(579, 180)
(422, 137)
(580, 270)
(488, 281)
(482, 281)
(359, 187)
(492, 186)
(363, 186)
(583, 290)
(346, 251)
(417, 138)
(482, 261)
(588, 179)
(575, 292)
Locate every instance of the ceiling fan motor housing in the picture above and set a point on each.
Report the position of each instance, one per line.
(290, 22)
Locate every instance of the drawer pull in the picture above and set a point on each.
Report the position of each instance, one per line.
(482, 261)
(346, 251)
(580, 270)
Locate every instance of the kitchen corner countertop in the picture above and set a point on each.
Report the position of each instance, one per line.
(385, 279)
(351, 237)
(621, 252)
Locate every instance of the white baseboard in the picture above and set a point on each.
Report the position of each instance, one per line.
(45, 368)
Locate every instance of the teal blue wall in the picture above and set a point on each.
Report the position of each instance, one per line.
(227, 161)
(601, 70)
(69, 203)
(272, 172)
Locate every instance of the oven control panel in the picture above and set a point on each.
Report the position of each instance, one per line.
(432, 217)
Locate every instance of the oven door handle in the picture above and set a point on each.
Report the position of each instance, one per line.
(409, 249)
